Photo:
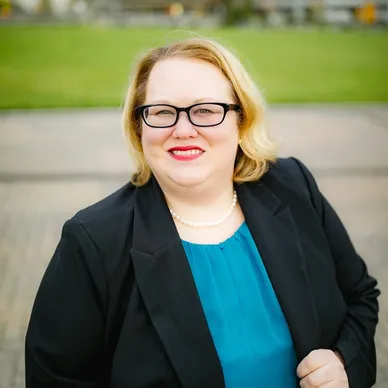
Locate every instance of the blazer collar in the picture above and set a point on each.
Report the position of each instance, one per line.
(168, 289)
(275, 233)
(153, 224)
(167, 286)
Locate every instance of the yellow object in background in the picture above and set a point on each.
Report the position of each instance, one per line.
(5, 9)
(176, 9)
(366, 14)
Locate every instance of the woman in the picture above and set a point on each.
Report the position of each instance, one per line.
(219, 265)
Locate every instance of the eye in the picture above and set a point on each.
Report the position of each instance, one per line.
(202, 111)
(163, 112)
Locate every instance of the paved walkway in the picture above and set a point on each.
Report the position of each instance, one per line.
(53, 163)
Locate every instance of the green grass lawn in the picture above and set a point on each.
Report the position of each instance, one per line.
(44, 67)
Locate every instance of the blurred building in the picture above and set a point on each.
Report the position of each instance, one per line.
(272, 12)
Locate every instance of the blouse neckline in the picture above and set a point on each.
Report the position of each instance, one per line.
(236, 232)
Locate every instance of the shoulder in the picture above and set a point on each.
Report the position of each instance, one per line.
(291, 173)
(109, 209)
(290, 180)
(106, 221)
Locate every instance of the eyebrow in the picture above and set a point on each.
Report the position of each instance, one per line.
(197, 100)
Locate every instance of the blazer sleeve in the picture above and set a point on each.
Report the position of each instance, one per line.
(65, 336)
(356, 338)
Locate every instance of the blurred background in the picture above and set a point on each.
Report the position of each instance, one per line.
(64, 68)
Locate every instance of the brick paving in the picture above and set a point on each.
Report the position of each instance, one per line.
(53, 163)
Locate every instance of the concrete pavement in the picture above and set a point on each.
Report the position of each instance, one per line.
(53, 163)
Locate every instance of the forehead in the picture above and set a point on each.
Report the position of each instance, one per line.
(182, 81)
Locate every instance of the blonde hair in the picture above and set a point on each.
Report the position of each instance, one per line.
(256, 149)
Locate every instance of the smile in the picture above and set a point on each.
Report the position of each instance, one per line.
(188, 152)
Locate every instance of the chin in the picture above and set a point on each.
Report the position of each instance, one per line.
(188, 179)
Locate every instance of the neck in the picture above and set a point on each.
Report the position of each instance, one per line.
(200, 204)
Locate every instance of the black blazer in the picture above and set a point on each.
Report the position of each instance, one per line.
(118, 306)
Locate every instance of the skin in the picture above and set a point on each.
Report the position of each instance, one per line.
(183, 82)
(322, 368)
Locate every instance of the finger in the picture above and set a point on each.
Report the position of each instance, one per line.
(318, 378)
(313, 361)
(330, 384)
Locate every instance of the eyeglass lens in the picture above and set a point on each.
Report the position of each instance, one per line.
(204, 114)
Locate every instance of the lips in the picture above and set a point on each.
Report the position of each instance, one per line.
(185, 153)
(185, 148)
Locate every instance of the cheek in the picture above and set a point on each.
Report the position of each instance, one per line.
(224, 137)
(153, 139)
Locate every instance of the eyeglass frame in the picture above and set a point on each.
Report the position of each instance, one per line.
(227, 107)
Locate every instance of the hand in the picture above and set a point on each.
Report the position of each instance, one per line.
(322, 368)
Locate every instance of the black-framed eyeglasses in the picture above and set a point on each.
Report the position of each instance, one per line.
(204, 114)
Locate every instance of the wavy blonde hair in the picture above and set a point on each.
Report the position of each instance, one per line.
(256, 149)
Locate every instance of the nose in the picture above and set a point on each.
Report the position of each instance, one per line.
(183, 128)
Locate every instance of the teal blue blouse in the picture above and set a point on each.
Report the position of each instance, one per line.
(248, 327)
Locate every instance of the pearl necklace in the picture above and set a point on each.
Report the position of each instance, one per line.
(207, 224)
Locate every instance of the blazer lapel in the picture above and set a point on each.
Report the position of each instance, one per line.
(168, 289)
(276, 236)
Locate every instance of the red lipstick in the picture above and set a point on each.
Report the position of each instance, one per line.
(186, 153)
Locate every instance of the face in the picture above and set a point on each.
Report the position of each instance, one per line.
(185, 154)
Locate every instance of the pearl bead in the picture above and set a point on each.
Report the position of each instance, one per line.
(207, 224)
